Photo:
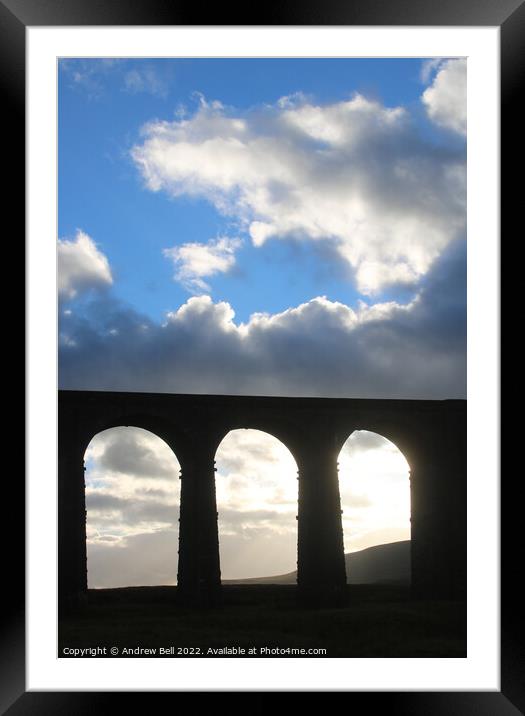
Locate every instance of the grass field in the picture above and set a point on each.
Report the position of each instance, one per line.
(377, 621)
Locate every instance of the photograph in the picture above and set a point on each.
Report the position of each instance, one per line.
(262, 334)
(263, 357)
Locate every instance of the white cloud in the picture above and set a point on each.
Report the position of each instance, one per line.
(429, 67)
(89, 74)
(81, 266)
(354, 173)
(446, 98)
(145, 80)
(292, 100)
(255, 469)
(94, 75)
(345, 124)
(196, 261)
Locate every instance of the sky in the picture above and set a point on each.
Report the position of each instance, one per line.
(267, 227)
(133, 499)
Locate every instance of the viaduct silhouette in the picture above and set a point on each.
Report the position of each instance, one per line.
(430, 433)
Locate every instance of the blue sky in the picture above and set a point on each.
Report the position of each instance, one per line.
(265, 227)
(102, 108)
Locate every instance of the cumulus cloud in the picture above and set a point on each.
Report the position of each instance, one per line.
(428, 68)
(134, 452)
(446, 98)
(81, 265)
(196, 261)
(131, 479)
(320, 348)
(353, 173)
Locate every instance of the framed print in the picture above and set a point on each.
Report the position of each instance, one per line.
(248, 160)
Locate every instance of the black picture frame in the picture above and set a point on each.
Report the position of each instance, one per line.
(15, 17)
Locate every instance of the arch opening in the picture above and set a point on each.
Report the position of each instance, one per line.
(132, 509)
(257, 492)
(374, 483)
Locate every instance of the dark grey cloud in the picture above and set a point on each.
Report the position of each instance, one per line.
(318, 349)
(125, 454)
(102, 501)
(110, 509)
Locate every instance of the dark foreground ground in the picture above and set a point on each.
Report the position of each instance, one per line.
(377, 621)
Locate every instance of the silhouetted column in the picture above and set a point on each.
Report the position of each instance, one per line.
(72, 558)
(321, 573)
(199, 576)
(439, 514)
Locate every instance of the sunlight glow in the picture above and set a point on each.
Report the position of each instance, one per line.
(132, 499)
(375, 491)
(257, 502)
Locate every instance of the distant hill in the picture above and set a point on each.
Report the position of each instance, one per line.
(383, 564)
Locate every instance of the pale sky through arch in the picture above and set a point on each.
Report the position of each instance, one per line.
(133, 499)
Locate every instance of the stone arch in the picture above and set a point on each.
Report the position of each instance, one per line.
(257, 513)
(431, 435)
(159, 426)
(132, 497)
(285, 432)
